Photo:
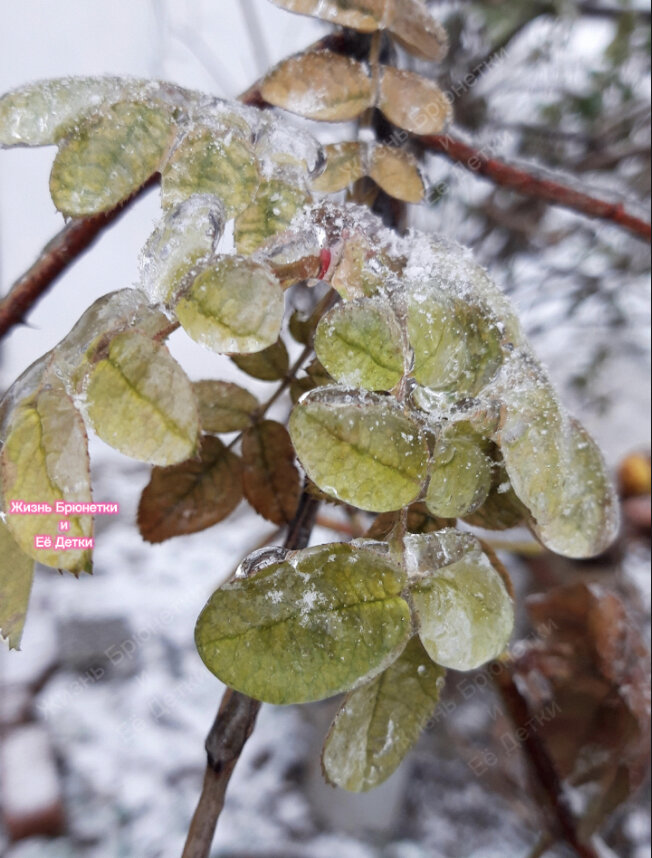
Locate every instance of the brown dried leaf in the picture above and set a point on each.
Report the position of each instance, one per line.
(192, 495)
(224, 406)
(362, 15)
(320, 85)
(412, 102)
(272, 484)
(271, 364)
(397, 173)
(416, 30)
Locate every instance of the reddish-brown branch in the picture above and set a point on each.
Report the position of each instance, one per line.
(67, 246)
(529, 185)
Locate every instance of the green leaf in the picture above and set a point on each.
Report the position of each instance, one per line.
(224, 406)
(378, 723)
(140, 401)
(320, 85)
(272, 484)
(192, 495)
(360, 343)
(44, 460)
(271, 364)
(204, 163)
(359, 447)
(307, 627)
(271, 211)
(235, 305)
(463, 610)
(109, 158)
(501, 510)
(16, 574)
(413, 102)
(461, 473)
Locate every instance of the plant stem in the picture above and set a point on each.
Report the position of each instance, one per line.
(235, 721)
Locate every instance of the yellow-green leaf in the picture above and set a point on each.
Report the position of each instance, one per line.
(463, 610)
(412, 102)
(235, 305)
(344, 166)
(224, 406)
(192, 495)
(307, 627)
(378, 723)
(140, 401)
(109, 158)
(271, 211)
(360, 448)
(204, 163)
(16, 574)
(44, 460)
(320, 85)
(460, 474)
(360, 344)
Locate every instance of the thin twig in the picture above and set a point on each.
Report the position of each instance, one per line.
(235, 721)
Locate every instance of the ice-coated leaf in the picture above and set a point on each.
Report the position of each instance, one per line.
(307, 627)
(359, 447)
(460, 473)
(397, 173)
(501, 510)
(379, 722)
(183, 241)
(272, 484)
(417, 31)
(360, 344)
(16, 574)
(44, 460)
(362, 15)
(275, 204)
(236, 305)
(320, 85)
(204, 163)
(192, 495)
(464, 612)
(456, 349)
(140, 401)
(412, 102)
(344, 166)
(224, 406)
(271, 364)
(109, 158)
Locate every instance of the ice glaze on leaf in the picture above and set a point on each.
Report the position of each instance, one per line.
(236, 305)
(464, 612)
(360, 448)
(45, 459)
(271, 364)
(320, 85)
(109, 158)
(360, 344)
(379, 722)
(412, 102)
(307, 627)
(344, 166)
(16, 574)
(272, 484)
(204, 163)
(140, 401)
(271, 211)
(192, 495)
(460, 474)
(224, 406)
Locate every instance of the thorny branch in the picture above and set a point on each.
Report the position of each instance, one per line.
(235, 721)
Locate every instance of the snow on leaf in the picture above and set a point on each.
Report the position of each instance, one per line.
(320, 85)
(463, 610)
(412, 102)
(378, 723)
(140, 401)
(360, 344)
(271, 211)
(461, 473)
(359, 447)
(363, 15)
(308, 627)
(205, 163)
(16, 574)
(109, 157)
(44, 460)
(192, 495)
(272, 484)
(224, 406)
(236, 305)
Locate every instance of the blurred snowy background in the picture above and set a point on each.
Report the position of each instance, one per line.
(108, 676)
